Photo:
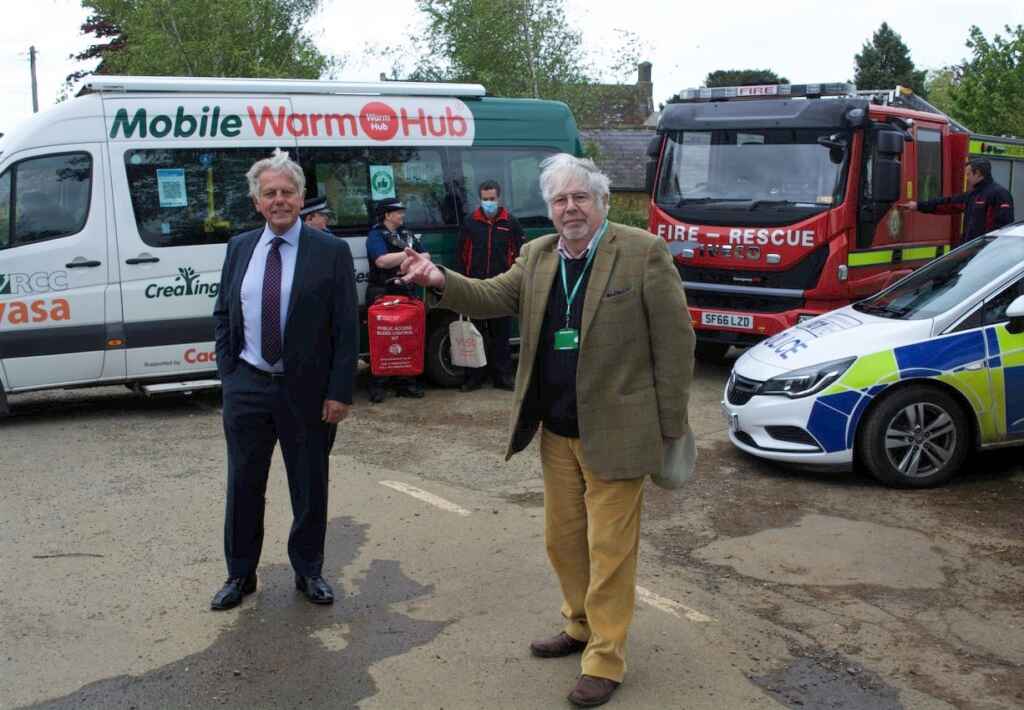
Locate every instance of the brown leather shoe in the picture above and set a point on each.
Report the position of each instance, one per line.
(591, 691)
(557, 646)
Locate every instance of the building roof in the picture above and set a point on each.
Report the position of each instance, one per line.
(621, 153)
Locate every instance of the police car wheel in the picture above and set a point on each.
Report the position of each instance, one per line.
(916, 437)
(437, 358)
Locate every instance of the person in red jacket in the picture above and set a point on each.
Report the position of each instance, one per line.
(986, 205)
(488, 244)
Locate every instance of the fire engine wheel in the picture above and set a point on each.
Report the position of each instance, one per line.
(710, 351)
(917, 437)
(437, 362)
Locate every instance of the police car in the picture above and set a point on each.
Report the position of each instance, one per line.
(906, 382)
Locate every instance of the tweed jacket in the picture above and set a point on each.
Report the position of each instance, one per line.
(636, 345)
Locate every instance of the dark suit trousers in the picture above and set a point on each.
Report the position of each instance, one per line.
(258, 414)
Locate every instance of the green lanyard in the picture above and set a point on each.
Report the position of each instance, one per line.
(569, 297)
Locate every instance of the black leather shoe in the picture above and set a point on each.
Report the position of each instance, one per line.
(376, 396)
(508, 385)
(316, 589)
(471, 385)
(591, 691)
(230, 595)
(557, 646)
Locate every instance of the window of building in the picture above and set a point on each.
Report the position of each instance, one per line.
(45, 198)
(190, 196)
(929, 164)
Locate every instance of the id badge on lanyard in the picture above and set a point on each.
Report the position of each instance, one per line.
(568, 338)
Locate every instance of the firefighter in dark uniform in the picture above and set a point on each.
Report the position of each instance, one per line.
(488, 244)
(986, 205)
(385, 250)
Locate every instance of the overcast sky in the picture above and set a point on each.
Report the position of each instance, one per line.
(803, 40)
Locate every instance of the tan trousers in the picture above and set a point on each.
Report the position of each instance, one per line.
(592, 532)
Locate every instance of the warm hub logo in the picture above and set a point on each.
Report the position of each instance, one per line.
(337, 119)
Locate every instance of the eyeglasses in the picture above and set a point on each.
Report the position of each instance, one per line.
(581, 199)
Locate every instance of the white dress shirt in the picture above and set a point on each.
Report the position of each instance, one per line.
(252, 294)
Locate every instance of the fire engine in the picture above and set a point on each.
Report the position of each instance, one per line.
(779, 201)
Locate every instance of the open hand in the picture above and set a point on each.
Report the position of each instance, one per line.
(420, 270)
(334, 412)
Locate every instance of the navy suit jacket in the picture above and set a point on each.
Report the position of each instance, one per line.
(321, 336)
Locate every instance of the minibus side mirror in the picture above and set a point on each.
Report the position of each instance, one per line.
(1015, 312)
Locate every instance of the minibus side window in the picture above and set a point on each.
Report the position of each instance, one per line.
(5, 209)
(517, 171)
(342, 175)
(417, 175)
(45, 198)
(188, 196)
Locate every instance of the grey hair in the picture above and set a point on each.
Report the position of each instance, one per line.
(278, 162)
(561, 169)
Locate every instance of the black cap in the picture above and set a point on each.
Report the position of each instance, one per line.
(391, 204)
(313, 205)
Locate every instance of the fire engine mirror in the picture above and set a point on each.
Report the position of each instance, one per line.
(855, 117)
(889, 143)
(885, 180)
(651, 171)
(654, 147)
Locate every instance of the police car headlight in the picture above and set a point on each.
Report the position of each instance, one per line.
(806, 380)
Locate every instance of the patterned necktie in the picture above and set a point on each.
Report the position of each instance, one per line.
(271, 321)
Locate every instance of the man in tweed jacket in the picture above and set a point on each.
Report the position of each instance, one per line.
(605, 365)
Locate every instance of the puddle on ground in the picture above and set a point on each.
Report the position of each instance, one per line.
(281, 651)
(817, 680)
(830, 551)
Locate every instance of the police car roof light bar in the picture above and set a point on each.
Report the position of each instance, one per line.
(172, 84)
(766, 91)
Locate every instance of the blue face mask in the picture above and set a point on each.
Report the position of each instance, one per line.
(490, 207)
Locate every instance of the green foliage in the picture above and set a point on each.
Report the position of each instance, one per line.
(250, 38)
(743, 77)
(989, 96)
(516, 48)
(513, 47)
(627, 214)
(885, 62)
(940, 85)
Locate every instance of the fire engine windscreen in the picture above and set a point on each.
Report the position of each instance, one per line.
(747, 170)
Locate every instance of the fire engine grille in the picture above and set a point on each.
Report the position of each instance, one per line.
(741, 389)
(742, 302)
(803, 276)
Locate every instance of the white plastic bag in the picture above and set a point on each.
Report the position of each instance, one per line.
(680, 462)
(467, 344)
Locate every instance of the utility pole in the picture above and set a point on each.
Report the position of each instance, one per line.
(35, 89)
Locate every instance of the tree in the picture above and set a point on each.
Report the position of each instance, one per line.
(103, 28)
(989, 96)
(743, 77)
(513, 47)
(940, 85)
(885, 62)
(253, 38)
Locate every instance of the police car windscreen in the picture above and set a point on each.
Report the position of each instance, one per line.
(949, 281)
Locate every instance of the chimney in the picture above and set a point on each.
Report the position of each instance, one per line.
(645, 88)
(644, 73)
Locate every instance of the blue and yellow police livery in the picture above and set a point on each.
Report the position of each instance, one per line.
(907, 381)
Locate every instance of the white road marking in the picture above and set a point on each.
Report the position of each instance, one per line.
(670, 606)
(436, 501)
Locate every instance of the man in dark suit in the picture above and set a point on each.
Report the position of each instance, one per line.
(287, 343)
